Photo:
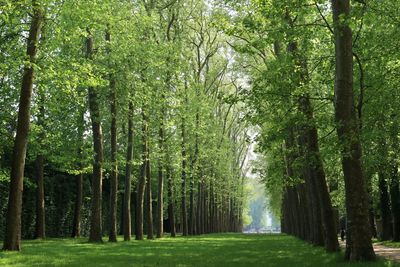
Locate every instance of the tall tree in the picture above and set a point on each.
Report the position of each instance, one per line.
(114, 163)
(94, 109)
(12, 240)
(128, 174)
(358, 245)
(184, 220)
(160, 191)
(149, 199)
(171, 210)
(142, 180)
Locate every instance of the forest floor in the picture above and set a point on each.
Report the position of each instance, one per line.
(388, 250)
(206, 250)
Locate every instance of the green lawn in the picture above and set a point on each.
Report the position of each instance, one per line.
(208, 250)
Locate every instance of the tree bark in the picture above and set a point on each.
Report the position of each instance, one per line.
(199, 225)
(12, 238)
(171, 212)
(315, 162)
(358, 246)
(192, 217)
(160, 191)
(94, 109)
(114, 164)
(128, 174)
(142, 182)
(149, 199)
(183, 197)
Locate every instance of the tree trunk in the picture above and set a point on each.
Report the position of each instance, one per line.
(386, 215)
(40, 212)
(160, 191)
(128, 174)
(76, 229)
(171, 213)
(192, 217)
(315, 161)
(359, 246)
(183, 197)
(199, 225)
(313, 158)
(149, 199)
(114, 164)
(94, 109)
(142, 182)
(395, 200)
(12, 238)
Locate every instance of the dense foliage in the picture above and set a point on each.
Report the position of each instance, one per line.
(288, 54)
(147, 109)
(148, 78)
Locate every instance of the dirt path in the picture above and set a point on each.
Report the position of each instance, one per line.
(382, 251)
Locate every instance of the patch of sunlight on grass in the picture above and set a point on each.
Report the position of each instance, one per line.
(205, 250)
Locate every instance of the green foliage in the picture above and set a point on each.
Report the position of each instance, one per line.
(262, 32)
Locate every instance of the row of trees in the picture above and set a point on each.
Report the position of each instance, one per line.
(145, 87)
(316, 68)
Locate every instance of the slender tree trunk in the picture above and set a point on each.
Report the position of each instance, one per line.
(199, 209)
(128, 174)
(114, 164)
(142, 182)
(371, 212)
(171, 212)
(395, 200)
(160, 191)
(359, 245)
(94, 109)
(12, 238)
(191, 228)
(40, 212)
(149, 198)
(386, 215)
(183, 197)
(193, 174)
(76, 229)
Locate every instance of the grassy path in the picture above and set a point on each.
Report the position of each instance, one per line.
(208, 250)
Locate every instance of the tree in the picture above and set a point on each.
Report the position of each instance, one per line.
(114, 163)
(94, 109)
(358, 245)
(128, 173)
(12, 238)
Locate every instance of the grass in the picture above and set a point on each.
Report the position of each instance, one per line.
(207, 250)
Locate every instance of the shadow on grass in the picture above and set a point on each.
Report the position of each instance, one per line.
(207, 250)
